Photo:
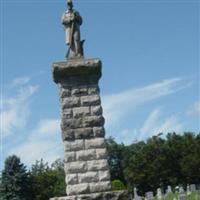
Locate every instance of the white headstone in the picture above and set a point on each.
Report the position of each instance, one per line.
(136, 196)
(159, 194)
(177, 188)
(169, 189)
(182, 197)
(192, 187)
(181, 190)
(188, 190)
(149, 195)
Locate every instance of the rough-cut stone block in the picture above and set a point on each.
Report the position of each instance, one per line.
(75, 167)
(91, 100)
(93, 89)
(87, 67)
(81, 112)
(94, 196)
(96, 110)
(116, 195)
(79, 91)
(82, 133)
(111, 195)
(71, 123)
(92, 121)
(67, 134)
(94, 143)
(101, 153)
(81, 188)
(67, 113)
(97, 165)
(86, 155)
(99, 131)
(65, 92)
(100, 186)
(70, 156)
(88, 177)
(75, 145)
(70, 102)
(104, 175)
(71, 179)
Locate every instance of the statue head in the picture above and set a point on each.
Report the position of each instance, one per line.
(70, 4)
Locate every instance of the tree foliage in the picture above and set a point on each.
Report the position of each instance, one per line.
(14, 180)
(47, 181)
(157, 162)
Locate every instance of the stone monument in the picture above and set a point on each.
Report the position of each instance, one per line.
(159, 194)
(87, 173)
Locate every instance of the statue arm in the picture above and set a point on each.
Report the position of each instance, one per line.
(67, 19)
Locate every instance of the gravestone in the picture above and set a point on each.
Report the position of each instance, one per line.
(136, 196)
(159, 193)
(188, 190)
(192, 187)
(87, 173)
(149, 195)
(169, 189)
(181, 190)
(182, 197)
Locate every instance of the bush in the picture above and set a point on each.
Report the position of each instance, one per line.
(118, 185)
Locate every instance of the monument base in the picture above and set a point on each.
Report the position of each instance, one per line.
(112, 195)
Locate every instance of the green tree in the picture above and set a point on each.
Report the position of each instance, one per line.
(115, 159)
(48, 181)
(14, 180)
(58, 171)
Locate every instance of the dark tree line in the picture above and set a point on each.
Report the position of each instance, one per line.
(39, 183)
(146, 165)
(157, 162)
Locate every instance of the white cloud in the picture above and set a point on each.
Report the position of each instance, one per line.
(153, 125)
(118, 105)
(46, 129)
(31, 151)
(42, 142)
(156, 124)
(194, 110)
(19, 81)
(15, 110)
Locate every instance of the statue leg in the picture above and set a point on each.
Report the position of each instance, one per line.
(78, 48)
(77, 42)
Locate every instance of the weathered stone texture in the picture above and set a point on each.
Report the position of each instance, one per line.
(95, 143)
(86, 155)
(83, 132)
(75, 167)
(74, 145)
(114, 195)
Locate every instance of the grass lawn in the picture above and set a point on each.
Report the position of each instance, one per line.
(172, 196)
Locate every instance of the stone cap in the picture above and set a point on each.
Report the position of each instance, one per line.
(76, 67)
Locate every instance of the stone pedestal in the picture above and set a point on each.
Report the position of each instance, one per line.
(82, 124)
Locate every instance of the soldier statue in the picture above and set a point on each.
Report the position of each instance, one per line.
(72, 21)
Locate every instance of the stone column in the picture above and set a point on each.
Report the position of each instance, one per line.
(82, 124)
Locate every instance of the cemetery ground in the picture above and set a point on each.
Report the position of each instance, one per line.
(175, 196)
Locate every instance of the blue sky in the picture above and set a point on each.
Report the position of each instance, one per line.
(150, 82)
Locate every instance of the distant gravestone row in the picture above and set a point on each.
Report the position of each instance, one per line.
(182, 194)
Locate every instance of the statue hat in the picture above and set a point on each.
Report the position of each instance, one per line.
(69, 2)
